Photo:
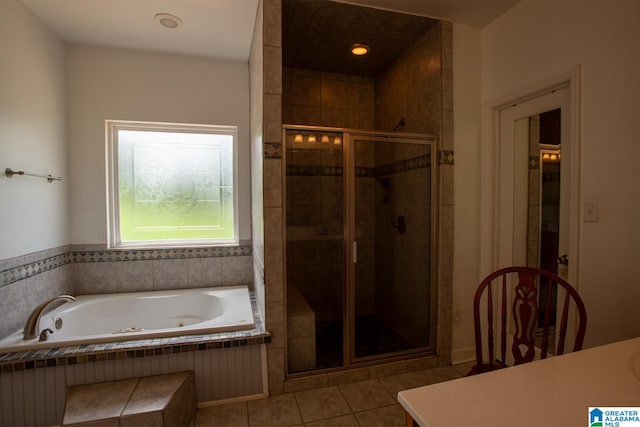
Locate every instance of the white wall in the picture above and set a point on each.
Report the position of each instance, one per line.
(117, 84)
(33, 213)
(537, 39)
(466, 132)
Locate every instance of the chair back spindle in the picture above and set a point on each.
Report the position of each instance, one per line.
(533, 323)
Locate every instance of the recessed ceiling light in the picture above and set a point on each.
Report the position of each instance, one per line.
(168, 21)
(359, 49)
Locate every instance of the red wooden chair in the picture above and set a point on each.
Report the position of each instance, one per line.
(532, 324)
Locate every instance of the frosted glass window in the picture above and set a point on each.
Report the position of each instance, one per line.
(171, 185)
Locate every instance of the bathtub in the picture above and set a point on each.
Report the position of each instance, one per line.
(140, 315)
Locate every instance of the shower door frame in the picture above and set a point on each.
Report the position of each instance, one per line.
(349, 232)
(348, 167)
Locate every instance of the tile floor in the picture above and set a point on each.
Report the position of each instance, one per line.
(368, 403)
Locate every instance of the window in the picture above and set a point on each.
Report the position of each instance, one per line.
(171, 184)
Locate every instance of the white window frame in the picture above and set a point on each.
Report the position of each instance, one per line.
(113, 218)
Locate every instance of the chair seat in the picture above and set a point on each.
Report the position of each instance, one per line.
(485, 367)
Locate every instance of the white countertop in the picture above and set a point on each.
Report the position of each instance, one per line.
(553, 392)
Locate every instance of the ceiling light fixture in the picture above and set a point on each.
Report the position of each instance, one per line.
(359, 49)
(168, 21)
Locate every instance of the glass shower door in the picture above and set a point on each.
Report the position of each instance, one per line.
(315, 249)
(392, 290)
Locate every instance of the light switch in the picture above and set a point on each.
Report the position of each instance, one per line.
(590, 212)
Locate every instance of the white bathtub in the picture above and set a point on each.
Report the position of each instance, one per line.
(141, 315)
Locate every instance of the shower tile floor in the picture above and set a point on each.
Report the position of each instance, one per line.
(369, 403)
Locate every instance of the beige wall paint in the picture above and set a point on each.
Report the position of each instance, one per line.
(119, 84)
(32, 134)
(601, 37)
(466, 177)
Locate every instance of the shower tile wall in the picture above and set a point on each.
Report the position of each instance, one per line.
(404, 293)
(315, 212)
(327, 99)
(315, 273)
(393, 269)
(313, 106)
(412, 88)
(335, 100)
(365, 205)
(419, 88)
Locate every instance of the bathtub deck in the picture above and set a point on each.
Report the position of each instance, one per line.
(159, 400)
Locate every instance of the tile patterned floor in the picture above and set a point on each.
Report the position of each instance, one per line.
(369, 403)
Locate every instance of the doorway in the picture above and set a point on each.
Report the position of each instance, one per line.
(360, 217)
(537, 187)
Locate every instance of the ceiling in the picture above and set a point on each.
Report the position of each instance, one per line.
(474, 13)
(212, 28)
(318, 34)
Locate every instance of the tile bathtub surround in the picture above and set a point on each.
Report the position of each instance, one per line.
(87, 353)
(19, 268)
(160, 269)
(26, 281)
(19, 298)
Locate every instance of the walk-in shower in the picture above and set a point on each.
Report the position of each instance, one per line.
(359, 246)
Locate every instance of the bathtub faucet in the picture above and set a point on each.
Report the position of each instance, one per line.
(32, 327)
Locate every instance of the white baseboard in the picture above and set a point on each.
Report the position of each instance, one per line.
(463, 355)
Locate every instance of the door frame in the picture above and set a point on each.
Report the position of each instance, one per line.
(491, 167)
(350, 138)
(348, 189)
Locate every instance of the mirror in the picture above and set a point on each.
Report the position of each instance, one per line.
(537, 210)
(537, 197)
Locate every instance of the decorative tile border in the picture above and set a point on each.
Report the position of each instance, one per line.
(445, 157)
(86, 353)
(534, 162)
(302, 170)
(25, 271)
(272, 150)
(419, 162)
(78, 255)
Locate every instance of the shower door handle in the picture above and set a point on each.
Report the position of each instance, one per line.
(355, 252)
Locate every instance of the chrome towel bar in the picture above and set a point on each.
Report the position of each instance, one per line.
(10, 172)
